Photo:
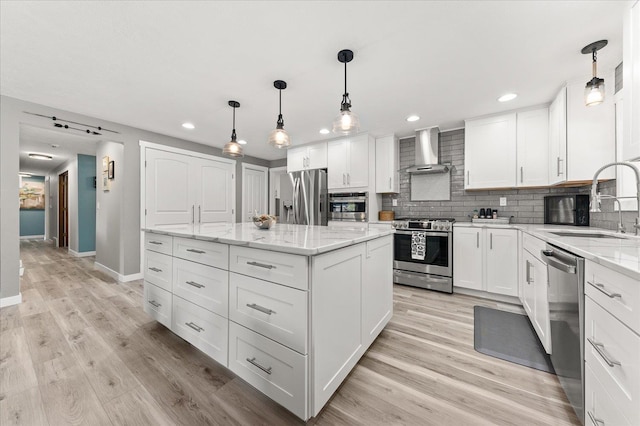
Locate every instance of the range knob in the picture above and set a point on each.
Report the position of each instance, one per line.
(447, 226)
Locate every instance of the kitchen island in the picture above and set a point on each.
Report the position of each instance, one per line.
(290, 310)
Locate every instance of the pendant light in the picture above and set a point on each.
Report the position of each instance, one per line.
(594, 91)
(233, 148)
(279, 138)
(347, 122)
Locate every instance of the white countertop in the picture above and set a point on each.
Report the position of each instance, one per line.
(619, 254)
(295, 239)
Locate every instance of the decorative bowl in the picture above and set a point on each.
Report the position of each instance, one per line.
(264, 221)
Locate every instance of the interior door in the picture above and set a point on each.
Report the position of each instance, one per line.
(63, 210)
(254, 191)
(215, 186)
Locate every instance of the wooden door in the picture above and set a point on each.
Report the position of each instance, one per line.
(254, 191)
(63, 210)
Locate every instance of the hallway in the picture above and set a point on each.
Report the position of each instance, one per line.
(80, 350)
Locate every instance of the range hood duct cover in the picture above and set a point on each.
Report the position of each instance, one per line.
(426, 156)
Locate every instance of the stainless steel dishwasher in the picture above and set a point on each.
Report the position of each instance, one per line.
(565, 272)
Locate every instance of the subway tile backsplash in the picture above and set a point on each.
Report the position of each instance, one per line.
(523, 205)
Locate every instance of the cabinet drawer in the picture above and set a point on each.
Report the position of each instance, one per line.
(272, 310)
(206, 286)
(158, 242)
(618, 344)
(533, 245)
(599, 407)
(203, 329)
(158, 269)
(617, 293)
(281, 268)
(205, 252)
(157, 303)
(275, 370)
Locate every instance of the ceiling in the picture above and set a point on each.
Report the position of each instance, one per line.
(39, 141)
(155, 65)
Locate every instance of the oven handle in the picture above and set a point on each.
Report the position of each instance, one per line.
(426, 233)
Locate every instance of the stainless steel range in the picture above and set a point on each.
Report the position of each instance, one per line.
(423, 253)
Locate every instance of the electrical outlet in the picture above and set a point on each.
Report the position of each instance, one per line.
(394, 202)
(503, 201)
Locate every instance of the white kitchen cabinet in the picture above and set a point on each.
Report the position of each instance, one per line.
(387, 164)
(183, 189)
(490, 152)
(533, 280)
(532, 148)
(307, 157)
(631, 81)
(377, 294)
(486, 259)
(557, 166)
(348, 163)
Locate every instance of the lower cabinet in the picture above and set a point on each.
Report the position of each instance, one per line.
(534, 296)
(157, 303)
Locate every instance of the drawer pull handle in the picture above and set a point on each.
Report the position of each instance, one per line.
(154, 303)
(196, 251)
(195, 284)
(253, 361)
(194, 326)
(155, 269)
(261, 265)
(599, 347)
(155, 242)
(261, 308)
(596, 421)
(604, 290)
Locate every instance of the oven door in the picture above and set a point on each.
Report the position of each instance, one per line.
(438, 253)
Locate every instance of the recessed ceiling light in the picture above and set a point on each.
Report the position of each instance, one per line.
(25, 174)
(55, 145)
(324, 131)
(188, 126)
(507, 97)
(41, 156)
(413, 118)
(242, 142)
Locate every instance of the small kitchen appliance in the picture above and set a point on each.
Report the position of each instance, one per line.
(569, 209)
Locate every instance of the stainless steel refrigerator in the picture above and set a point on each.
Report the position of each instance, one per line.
(310, 197)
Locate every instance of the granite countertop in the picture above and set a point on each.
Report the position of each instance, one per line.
(295, 239)
(619, 254)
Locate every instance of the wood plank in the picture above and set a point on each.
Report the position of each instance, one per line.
(32, 303)
(50, 289)
(136, 408)
(67, 316)
(23, 409)
(16, 369)
(44, 337)
(10, 318)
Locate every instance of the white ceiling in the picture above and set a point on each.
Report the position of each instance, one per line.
(154, 65)
(39, 141)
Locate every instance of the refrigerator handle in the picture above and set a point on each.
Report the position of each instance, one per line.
(306, 201)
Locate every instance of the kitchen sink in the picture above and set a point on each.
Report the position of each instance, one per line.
(585, 235)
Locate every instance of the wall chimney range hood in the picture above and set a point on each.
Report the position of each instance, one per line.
(426, 157)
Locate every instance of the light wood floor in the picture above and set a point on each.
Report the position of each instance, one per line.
(80, 350)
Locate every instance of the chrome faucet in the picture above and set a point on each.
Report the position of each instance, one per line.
(621, 228)
(595, 195)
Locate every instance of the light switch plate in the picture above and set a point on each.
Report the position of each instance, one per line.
(503, 201)
(394, 202)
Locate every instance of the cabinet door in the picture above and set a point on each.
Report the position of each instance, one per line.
(467, 257)
(502, 261)
(169, 188)
(358, 167)
(528, 292)
(377, 288)
(317, 156)
(387, 156)
(533, 148)
(215, 186)
(296, 158)
(541, 323)
(631, 78)
(558, 138)
(490, 152)
(337, 152)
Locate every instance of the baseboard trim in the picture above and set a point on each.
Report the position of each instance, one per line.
(10, 301)
(82, 253)
(117, 276)
(486, 295)
(32, 237)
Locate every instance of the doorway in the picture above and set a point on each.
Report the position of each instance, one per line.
(254, 191)
(63, 209)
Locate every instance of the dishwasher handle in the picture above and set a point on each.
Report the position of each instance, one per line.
(556, 263)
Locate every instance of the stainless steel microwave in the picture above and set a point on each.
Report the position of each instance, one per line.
(349, 206)
(567, 209)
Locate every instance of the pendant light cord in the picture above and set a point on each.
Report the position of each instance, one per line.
(595, 61)
(233, 132)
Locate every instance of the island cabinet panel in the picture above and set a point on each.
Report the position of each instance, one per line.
(273, 310)
(158, 269)
(157, 303)
(282, 268)
(336, 303)
(203, 329)
(377, 293)
(273, 369)
(158, 243)
(205, 252)
(203, 285)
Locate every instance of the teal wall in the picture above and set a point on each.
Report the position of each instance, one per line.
(32, 221)
(86, 203)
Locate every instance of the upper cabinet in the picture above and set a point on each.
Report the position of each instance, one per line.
(307, 157)
(532, 148)
(348, 163)
(631, 82)
(490, 152)
(387, 163)
(557, 166)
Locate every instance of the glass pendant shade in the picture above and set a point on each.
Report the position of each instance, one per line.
(347, 123)
(594, 92)
(233, 149)
(279, 138)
